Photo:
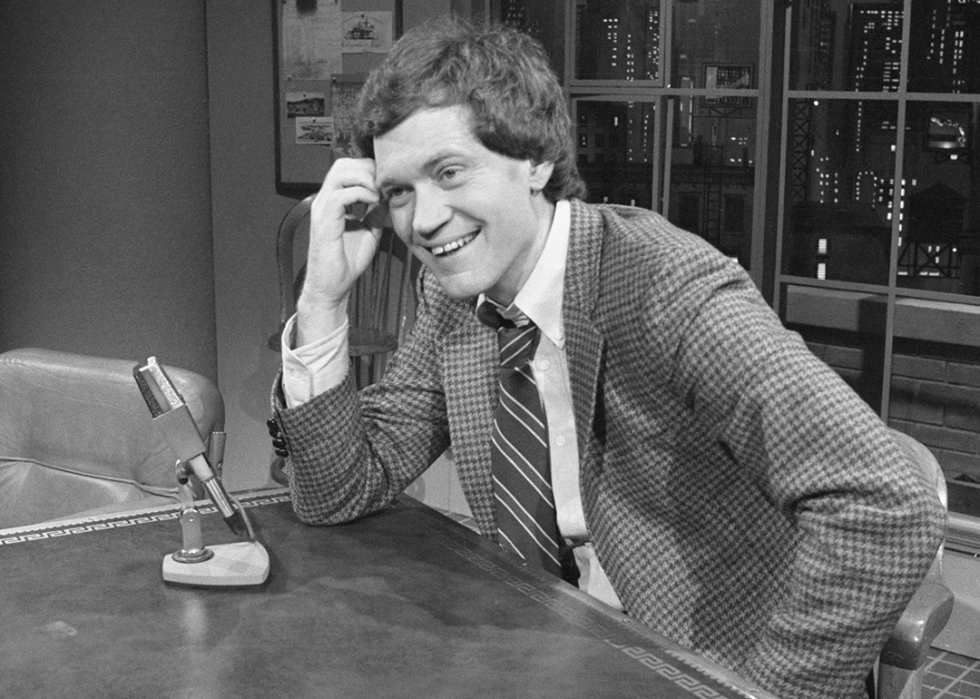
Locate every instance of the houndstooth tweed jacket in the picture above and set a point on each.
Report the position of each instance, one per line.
(741, 498)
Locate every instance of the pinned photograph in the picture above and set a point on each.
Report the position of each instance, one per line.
(317, 131)
(305, 104)
(366, 32)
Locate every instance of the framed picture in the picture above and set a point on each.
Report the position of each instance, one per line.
(727, 77)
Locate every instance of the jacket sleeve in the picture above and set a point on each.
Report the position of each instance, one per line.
(867, 525)
(351, 453)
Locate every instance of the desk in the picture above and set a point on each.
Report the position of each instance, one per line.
(405, 603)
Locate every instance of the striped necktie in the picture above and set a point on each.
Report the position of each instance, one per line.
(526, 518)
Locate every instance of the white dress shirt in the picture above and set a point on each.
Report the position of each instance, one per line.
(318, 366)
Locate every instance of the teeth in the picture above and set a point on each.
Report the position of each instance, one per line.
(455, 245)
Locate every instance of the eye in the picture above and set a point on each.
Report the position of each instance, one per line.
(396, 196)
(449, 173)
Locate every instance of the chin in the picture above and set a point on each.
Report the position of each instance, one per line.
(463, 286)
(461, 292)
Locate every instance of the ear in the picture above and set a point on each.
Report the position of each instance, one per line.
(540, 174)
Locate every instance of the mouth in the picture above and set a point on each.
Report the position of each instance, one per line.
(454, 246)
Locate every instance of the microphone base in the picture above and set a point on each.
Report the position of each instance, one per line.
(239, 564)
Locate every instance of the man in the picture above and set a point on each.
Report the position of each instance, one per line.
(712, 477)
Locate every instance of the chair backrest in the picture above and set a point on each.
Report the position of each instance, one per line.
(293, 224)
(382, 303)
(77, 437)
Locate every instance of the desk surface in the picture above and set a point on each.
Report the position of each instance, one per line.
(406, 603)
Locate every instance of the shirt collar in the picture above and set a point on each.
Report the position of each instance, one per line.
(541, 296)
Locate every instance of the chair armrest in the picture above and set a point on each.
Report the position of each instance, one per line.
(920, 623)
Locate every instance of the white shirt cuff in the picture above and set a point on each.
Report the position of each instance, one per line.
(310, 370)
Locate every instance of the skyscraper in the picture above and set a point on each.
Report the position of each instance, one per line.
(944, 52)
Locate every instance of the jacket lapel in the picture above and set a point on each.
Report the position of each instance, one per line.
(584, 344)
(469, 355)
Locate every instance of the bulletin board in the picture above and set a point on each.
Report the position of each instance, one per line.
(324, 51)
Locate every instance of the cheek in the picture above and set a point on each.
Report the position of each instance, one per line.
(401, 221)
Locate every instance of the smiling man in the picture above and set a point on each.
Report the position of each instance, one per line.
(667, 446)
(477, 219)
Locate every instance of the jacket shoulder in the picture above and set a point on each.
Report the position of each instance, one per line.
(640, 250)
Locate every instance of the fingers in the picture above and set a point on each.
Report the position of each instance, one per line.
(341, 246)
(348, 185)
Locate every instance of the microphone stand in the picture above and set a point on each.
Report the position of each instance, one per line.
(236, 564)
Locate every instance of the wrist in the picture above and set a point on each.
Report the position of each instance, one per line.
(315, 321)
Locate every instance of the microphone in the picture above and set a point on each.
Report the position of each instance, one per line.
(173, 419)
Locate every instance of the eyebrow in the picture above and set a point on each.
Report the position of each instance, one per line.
(427, 166)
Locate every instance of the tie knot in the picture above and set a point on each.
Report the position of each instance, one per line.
(494, 315)
(517, 336)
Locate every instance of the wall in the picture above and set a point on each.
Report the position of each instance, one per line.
(245, 211)
(935, 396)
(105, 223)
(936, 399)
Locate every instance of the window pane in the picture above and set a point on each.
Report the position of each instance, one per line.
(939, 247)
(617, 40)
(935, 397)
(712, 35)
(839, 189)
(542, 19)
(842, 45)
(712, 172)
(615, 150)
(944, 51)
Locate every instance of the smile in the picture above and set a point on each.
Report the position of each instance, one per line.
(444, 250)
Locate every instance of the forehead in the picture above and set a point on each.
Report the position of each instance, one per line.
(426, 135)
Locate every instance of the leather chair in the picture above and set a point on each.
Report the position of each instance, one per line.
(902, 662)
(77, 439)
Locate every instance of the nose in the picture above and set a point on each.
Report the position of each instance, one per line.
(431, 210)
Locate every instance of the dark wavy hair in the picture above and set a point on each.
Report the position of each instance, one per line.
(500, 73)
